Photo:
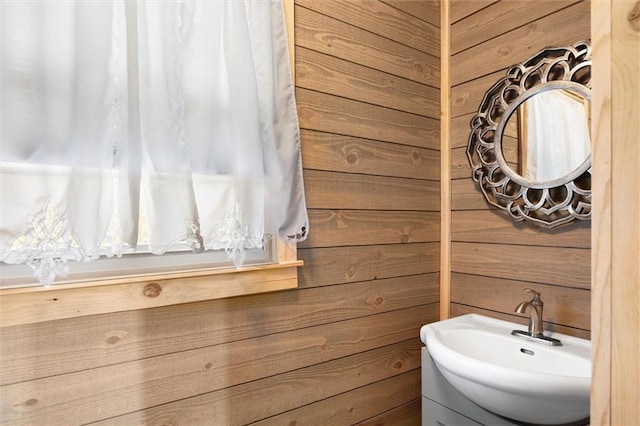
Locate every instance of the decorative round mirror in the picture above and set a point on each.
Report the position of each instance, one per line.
(530, 143)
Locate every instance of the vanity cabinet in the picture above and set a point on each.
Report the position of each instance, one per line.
(443, 405)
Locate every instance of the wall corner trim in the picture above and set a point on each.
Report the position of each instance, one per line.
(445, 159)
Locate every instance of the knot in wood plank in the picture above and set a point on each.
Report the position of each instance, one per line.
(634, 17)
(152, 290)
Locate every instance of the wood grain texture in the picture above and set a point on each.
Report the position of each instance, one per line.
(562, 28)
(289, 7)
(406, 415)
(324, 73)
(495, 227)
(357, 227)
(383, 20)
(445, 161)
(274, 395)
(355, 406)
(367, 102)
(499, 18)
(466, 195)
(487, 244)
(460, 9)
(625, 210)
(177, 376)
(67, 346)
(330, 152)
(565, 306)
(459, 164)
(548, 265)
(327, 35)
(334, 265)
(346, 337)
(349, 191)
(466, 97)
(427, 10)
(327, 113)
(458, 310)
(24, 307)
(461, 128)
(601, 273)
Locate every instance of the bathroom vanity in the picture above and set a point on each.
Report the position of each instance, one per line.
(482, 370)
(442, 404)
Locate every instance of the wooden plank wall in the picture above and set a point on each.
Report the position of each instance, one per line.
(615, 388)
(494, 259)
(344, 347)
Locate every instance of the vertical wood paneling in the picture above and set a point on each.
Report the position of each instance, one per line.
(625, 209)
(445, 161)
(616, 384)
(330, 351)
(487, 247)
(602, 216)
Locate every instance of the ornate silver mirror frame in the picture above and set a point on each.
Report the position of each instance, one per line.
(548, 203)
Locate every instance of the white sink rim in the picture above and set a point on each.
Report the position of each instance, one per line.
(500, 389)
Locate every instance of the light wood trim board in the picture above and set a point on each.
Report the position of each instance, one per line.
(445, 160)
(36, 304)
(601, 214)
(616, 206)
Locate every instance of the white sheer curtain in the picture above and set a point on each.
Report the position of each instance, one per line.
(558, 138)
(185, 108)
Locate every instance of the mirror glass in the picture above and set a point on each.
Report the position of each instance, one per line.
(530, 147)
(548, 135)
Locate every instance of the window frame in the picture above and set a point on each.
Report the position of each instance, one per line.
(26, 305)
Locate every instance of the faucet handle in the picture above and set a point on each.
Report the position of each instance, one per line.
(535, 295)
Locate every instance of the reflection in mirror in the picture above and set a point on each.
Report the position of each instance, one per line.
(547, 137)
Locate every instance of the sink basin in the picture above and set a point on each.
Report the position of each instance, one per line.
(508, 375)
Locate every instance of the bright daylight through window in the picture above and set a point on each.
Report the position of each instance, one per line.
(183, 111)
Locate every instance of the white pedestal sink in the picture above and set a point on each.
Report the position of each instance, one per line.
(510, 376)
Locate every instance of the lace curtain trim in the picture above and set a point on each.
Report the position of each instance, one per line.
(49, 243)
(46, 246)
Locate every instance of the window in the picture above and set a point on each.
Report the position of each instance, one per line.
(276, 269)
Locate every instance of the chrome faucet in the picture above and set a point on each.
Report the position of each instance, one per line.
(536, 331)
